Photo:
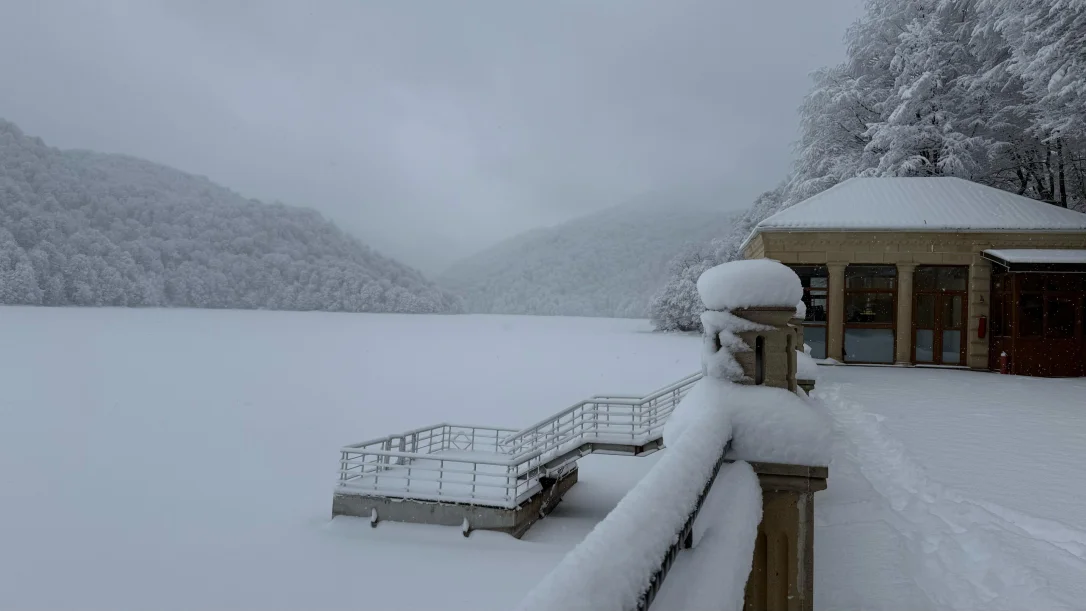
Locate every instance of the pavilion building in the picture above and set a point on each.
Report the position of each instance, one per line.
(936, 271)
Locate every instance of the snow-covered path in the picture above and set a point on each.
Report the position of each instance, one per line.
(952, 490)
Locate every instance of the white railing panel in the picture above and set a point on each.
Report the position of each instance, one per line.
(499, 466)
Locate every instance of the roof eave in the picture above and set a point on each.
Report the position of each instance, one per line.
(909, 230)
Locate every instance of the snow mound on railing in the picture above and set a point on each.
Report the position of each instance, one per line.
(768, 424)
(713, 575)
(749, 283)
(613, 566)
(806, 367)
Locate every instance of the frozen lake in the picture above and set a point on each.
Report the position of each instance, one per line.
(179, 459)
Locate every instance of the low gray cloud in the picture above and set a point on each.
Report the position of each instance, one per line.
(429, 129)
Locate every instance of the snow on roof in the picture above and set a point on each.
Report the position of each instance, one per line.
(1037, 255)
(749, 283)
(920, 204)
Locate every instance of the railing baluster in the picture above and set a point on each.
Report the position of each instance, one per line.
(397, 456)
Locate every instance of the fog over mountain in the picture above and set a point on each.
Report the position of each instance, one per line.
(88, 229)
(605, 264)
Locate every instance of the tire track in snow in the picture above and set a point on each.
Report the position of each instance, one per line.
(964, 554)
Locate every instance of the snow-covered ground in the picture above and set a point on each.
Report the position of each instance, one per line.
(952, 490)
(170, 459)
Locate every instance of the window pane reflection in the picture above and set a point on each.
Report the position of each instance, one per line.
(925, 346)
(1031, 316)
(952, 347)
(815, 337)
(869, 345)
(869, 308)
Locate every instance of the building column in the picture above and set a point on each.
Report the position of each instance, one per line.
(835, 327)
(904, 332)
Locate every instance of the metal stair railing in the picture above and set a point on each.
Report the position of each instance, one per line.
(615, 418)
(501, 467)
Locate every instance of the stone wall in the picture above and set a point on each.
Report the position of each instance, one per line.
(906, 250)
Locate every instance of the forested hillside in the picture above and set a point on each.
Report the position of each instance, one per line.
(606, 264)
(83, 228)
(988, 90)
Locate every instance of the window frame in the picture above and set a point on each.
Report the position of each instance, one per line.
(937, 328)
(805, 273)
(891, 326)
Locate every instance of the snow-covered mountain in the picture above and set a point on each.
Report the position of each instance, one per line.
(83, 228)
(605, 264)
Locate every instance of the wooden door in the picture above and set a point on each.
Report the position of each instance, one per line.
(939, 336)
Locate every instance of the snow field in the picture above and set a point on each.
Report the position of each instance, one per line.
(179, 459)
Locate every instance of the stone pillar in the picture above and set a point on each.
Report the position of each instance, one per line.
(782, 571)
(835, 327)
(904, 344)
(778, 347)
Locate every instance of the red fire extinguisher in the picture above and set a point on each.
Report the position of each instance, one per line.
(1004, 363)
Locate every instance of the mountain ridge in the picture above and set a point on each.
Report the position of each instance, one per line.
(607, 263)
(79, 227)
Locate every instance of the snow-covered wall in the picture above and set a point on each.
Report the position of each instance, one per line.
(713, 575)
(614, 565)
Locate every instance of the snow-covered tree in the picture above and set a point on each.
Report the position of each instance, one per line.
(989, 90)
(80, 228)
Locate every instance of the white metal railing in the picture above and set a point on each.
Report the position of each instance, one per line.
(501, 467)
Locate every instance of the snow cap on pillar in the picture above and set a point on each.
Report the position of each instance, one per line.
(750, 283)
(749, 336)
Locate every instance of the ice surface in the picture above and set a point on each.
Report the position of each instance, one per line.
(184, 459)
(713, 575)
(613, 566)
(754, 282)
(181, 459)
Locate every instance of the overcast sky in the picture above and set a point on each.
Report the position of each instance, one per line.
(430, 129)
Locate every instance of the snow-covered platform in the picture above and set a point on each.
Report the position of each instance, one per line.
(487, 478)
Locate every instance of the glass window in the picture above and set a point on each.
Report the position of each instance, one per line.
(952, 311)
(815, 280)
(816, 306)
(869, 308)
(1031, 315)
(871, 277)
(925, 346)
(1063, 282)
(925, 311)
(1031, 282)
(941, 278)
(812, 276)
(815, 337)
(1061, 319)
(869, 345)
(952, 347)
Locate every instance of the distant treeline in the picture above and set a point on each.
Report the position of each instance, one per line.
(87, 229)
